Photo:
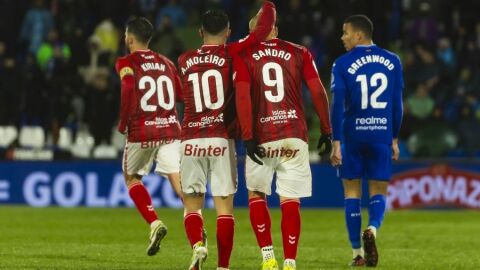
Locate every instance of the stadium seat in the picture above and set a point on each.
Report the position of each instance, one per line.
(7, 135)
(104, 151)
(83, 144)
(32, 136)
(65, 140)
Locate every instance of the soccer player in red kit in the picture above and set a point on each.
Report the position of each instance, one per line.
(150, 88)
(268, 82)
(209, 129)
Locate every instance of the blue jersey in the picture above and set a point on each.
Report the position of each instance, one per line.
(367, 85)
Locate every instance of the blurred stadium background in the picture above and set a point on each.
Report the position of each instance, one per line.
(59, 100)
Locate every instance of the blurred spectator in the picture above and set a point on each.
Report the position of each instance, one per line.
(425, 28)
(420, 105)
(175, 13)
(9, 88)
(36, 25)
(101, 107)
(52, 51)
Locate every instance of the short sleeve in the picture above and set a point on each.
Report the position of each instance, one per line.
(123, 67)
(336, 81)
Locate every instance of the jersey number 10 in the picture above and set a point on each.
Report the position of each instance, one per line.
(373, 83)
(211, 73)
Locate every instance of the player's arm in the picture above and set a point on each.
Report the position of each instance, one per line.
(178, 84)
(243, 102)
(125, 71)
(320, 101)
(338, 93)
(265, 23)
(397, 108)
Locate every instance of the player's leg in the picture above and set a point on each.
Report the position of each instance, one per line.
(193, 222)
(378, 170)
(353, 218)
(259, 182)
(377, 204)
(223, 179)
(194, 174)
(294, 181)
(291, 227)
(168, 164)
(137, 161)
(225, 229)
(351, 171)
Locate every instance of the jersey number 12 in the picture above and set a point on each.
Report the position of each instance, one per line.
(378, 80)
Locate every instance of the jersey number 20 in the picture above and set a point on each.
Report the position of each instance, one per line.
(374, 82)
(156, 86)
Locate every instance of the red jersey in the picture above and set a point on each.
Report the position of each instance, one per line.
(150, 88)
(274, 71)
(206, 75)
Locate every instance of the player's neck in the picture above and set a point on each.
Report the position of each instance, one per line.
(138, 47)
(213, 41)
(365, 43)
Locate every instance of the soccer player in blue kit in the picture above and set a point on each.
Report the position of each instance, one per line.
(367, 85)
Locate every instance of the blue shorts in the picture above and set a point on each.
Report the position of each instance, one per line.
(370, 161)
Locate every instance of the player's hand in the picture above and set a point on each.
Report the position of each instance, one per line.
(122, 128)
(253, 151)
(336, 155)
(395, 149)
(324, 144)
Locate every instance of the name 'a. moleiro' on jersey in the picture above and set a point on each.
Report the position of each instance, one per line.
(203, 59)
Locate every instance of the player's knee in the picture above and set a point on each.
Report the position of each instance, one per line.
(377, 187)
(131, 179)
(256, 194)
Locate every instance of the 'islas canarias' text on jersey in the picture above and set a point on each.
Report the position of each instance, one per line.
(151, 107)
(276, 69)
(367, 85)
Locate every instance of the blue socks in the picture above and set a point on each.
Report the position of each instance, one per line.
(376, 210)
(353, 218)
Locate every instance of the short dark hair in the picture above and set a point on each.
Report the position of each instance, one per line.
(362, 23)
(141, 28)
(214, 21)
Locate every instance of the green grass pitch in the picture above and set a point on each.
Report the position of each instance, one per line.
(81, 238)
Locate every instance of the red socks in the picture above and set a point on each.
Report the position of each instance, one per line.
(225, 232)
(260, 220)
(193, 227)
(291, 223)
(143, 201)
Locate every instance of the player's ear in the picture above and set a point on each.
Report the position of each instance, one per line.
(200, 32)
